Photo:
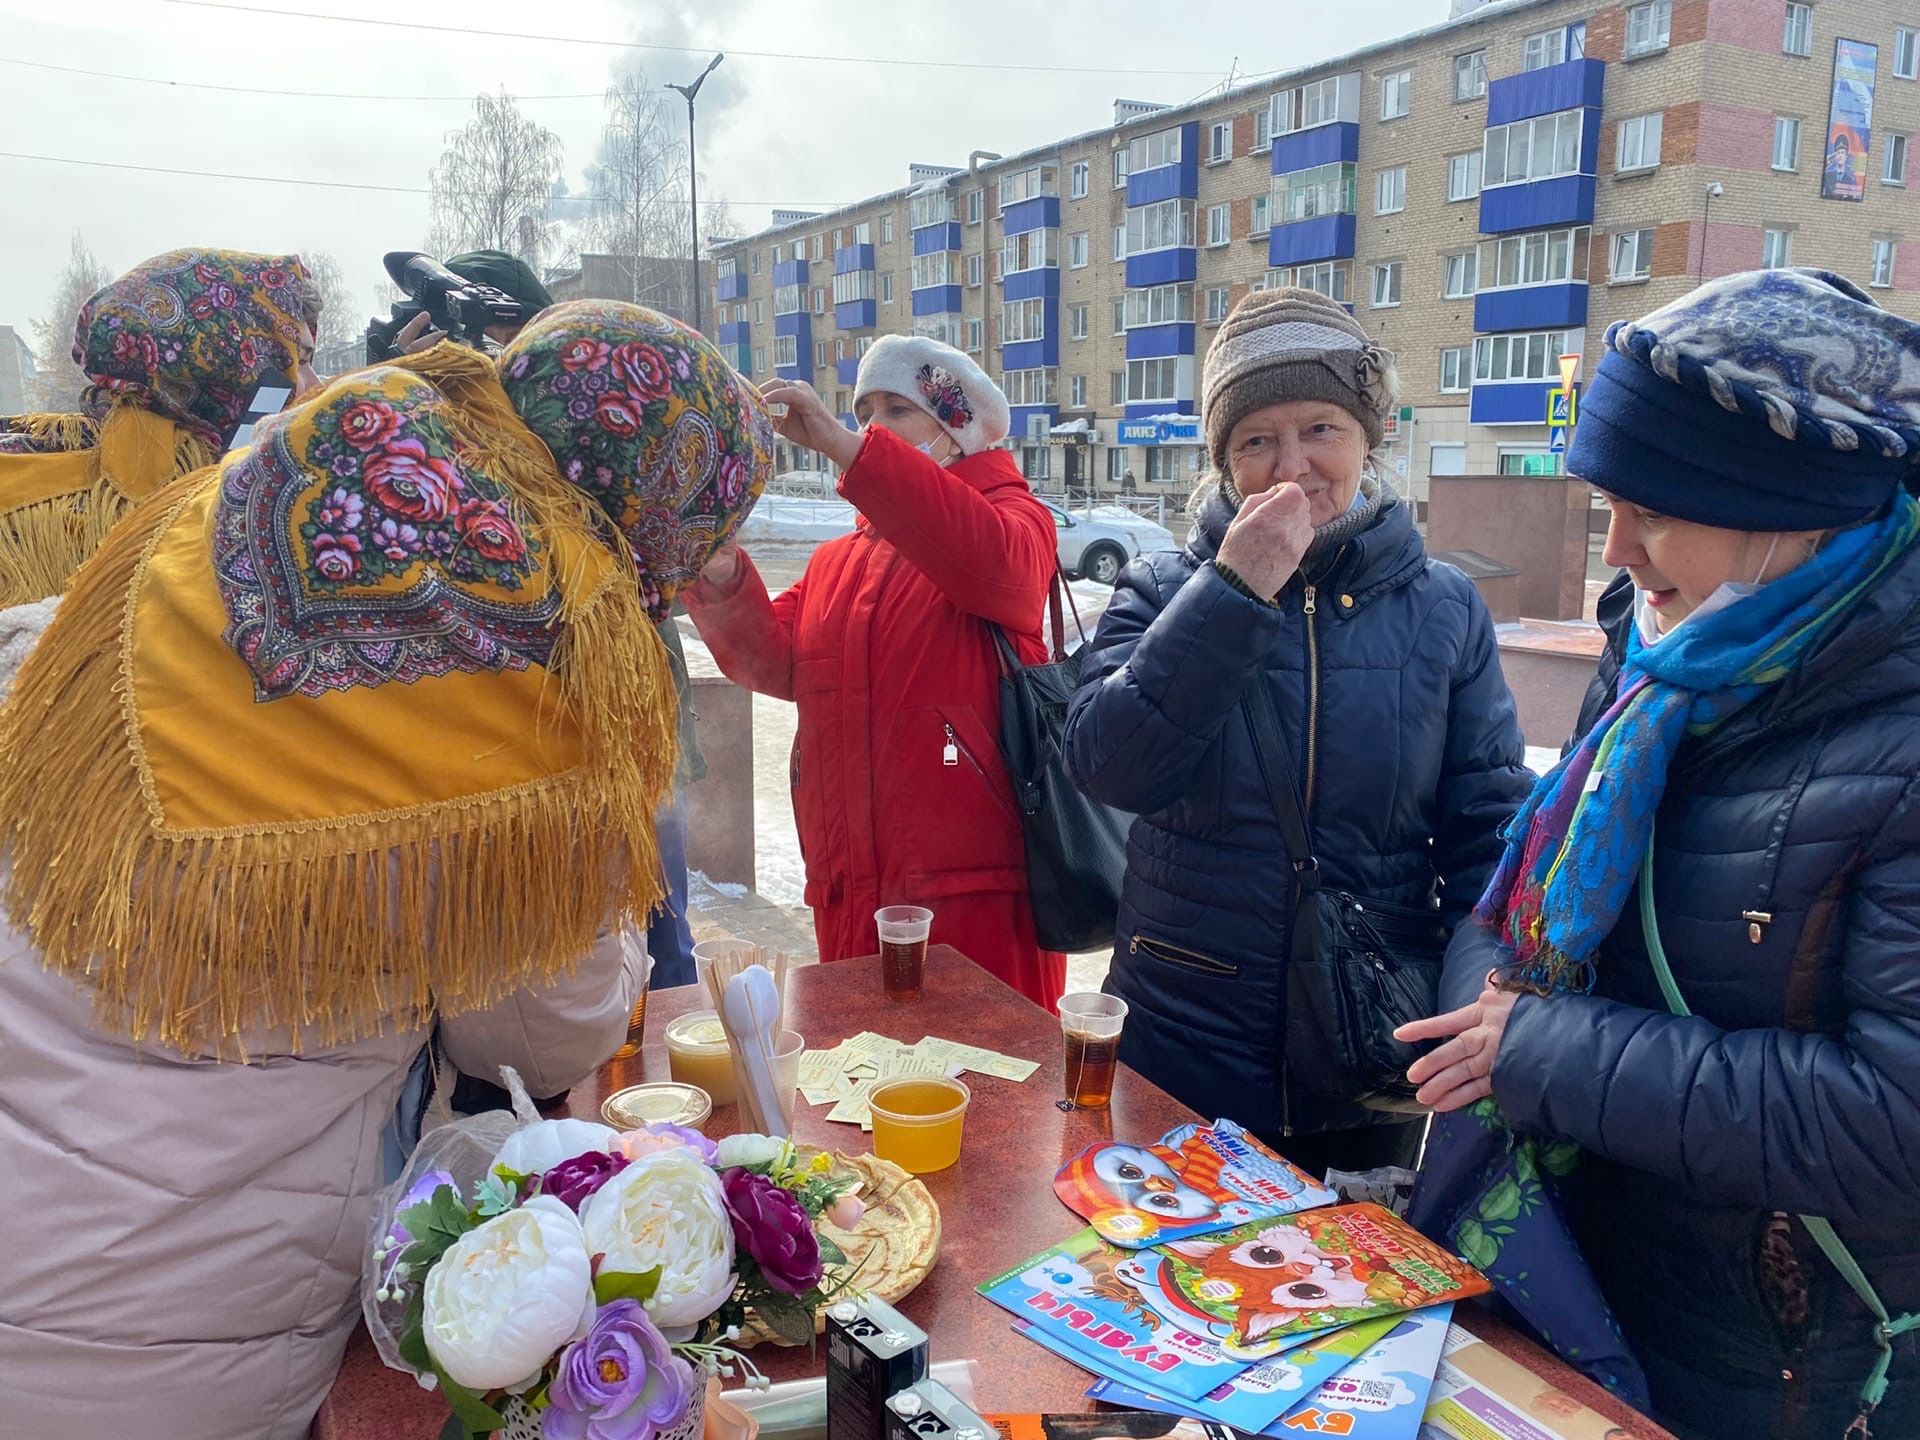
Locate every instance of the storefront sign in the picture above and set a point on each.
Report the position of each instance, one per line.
(1184, 430)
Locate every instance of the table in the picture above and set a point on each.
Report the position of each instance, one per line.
(997, 1205)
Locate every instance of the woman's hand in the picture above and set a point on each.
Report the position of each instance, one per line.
(1264, 543)
(722, 568)
(808, 422)
(1461, 1071)
(415, 336)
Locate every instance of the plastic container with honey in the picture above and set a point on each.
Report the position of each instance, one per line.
(917, 1124)
(697, 1054)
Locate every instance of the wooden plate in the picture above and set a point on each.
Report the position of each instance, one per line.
(892, 1249)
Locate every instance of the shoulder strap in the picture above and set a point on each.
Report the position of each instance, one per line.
(1887, 1327)
(1275, 760)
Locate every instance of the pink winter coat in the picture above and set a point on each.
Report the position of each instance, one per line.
(185, 1237)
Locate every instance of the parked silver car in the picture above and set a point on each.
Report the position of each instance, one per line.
(1095, 544)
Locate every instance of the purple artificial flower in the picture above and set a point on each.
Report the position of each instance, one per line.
(692, 1139)
(773, 1228)
(572, 1181)
(620, 1382)
(418, 1193)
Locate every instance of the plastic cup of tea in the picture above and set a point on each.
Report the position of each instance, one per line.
(788, 1047)
(903, 949)
(917, 1124)
(1091, 1023)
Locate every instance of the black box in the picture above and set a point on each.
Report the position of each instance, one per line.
(873, 1353)
(930, 1411)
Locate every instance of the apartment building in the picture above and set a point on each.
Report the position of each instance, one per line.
(1486, 195)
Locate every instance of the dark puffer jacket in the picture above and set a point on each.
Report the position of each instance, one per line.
(1388, 684)
(1787, 877)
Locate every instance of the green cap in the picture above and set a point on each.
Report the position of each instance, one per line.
(504, 272)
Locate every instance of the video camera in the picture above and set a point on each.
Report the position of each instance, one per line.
(461, 309)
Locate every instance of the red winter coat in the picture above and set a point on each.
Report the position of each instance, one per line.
(884, 646)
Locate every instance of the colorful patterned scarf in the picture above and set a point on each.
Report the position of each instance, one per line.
(175, 350)
(644, 415)
(1573, 853)
(366, 725)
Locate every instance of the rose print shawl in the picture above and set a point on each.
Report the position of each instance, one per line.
(174, 349)
(370, 721)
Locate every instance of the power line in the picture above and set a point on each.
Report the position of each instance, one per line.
(265, 90)
(996, 65)
(354, 184)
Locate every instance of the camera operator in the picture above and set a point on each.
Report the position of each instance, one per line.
(497, 268)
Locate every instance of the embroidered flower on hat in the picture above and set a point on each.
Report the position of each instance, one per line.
(944, 396)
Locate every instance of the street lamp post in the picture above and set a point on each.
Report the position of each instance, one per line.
(1714, 191)
(693, 177)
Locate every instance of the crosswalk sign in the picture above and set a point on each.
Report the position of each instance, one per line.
(1562, 405)
(1557, 439)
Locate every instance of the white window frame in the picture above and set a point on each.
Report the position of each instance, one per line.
(886, 229)
(816, 247)
(863, 233)
(1898, 147)
(1906, 53)
(1396, 95)
(1543, 48)
(1653, 19)
(1077, 250)
(976, 204)
(759, 316)
(853, 286)
(1219, 225)
(1029, 387)
(1328, 189)
(1453, 448)
(1331, 278)
(1540, 355)
(1117, 454)
(1880, 264)
(1630, 256)
(1263, 127)
(1786, 128)
(1155, 150)
(1327, 101)
(789, 299)
(1030, 250)
(1149, 226)
(944, 328)
(935, 269)
(1798, 27)
(1390, 190)
(1219, 301)
(1458, 359)
(1117, 390)
(976, 334)
(1163, 464)
(1219, 142)
(886, 288)
(1077, 393)
(1636, 144)
(1023, 320)
(1170, 304)
(1776, 248)
(1120, 315)
(1077, 322)
(1262, 221)
(1029, 182)
(1463, 176)
(1470, 75)
(976, 271)
(1120, 242)
(1120, 167)
(1460, 275)
(1534, 253)
(1534, 127)
(819, 300)
(759, 359)
(1386, 287)
(1082, 176)
(934, 208)
(1165, 372)
(786, 352)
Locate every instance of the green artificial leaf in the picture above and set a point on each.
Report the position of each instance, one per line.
(612, 1285)
(413, 1332)
(830, 1253)
(469, 1409)
(493, 1198)
(516, 1178)
(435, 1223)
(787, 1317)
(454, 1429)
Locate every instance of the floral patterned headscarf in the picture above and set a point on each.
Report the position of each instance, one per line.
(191, 333)
(643, 414)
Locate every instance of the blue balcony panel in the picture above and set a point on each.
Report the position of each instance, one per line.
(1154, 342)
(851, 258)
(856, 314)
(790, 272)
(848, 419)
(1162, 267)
(1519, 402)
(1146, 409)
(1041, 354)
(1537, 205)
(1571, 86)
(1041, 284)
(1534, 307)
(1040, 213)
(1021, 414)
(730, 287)
(1322, 145)
(1325, 237)
(740, 357)
(1178, 181)
(846, 371)
(932, 239)
(790, 372)
(736, 332)
(937, 300)
(799, 324)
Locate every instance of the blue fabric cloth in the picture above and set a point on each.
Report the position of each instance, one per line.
(1795, 1088)
(1417, 761)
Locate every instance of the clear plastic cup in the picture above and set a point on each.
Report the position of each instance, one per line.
(903, 949)
(788, 1047)
(1090, 1024)
(918, 1124)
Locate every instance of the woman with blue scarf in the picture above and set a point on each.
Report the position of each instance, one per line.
(1679, 1069)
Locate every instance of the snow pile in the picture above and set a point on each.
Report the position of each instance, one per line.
(789, 518)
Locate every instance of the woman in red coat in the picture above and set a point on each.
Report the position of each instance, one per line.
(885, 644)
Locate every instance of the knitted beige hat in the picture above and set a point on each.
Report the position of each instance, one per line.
(1288, 344)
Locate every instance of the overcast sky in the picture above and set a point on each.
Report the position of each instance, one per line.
(783, 127)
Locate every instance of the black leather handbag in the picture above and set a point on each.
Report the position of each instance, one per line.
(1358, 968)
(1076, 847)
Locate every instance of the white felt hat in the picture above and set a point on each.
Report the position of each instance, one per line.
(941, 381)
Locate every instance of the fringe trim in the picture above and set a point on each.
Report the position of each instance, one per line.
(346, 927)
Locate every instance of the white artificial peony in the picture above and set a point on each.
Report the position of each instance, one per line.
(509, 1293)
(545, 1143)
(666, 1209)
(749, 1149)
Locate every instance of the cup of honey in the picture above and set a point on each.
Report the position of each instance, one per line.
(697, 1054)
(918, 1123)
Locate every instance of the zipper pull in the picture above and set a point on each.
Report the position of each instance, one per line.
(950, 752)
(1308, 607)
(1757, 921)
(1133, 945)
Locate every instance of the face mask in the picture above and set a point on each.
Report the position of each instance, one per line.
(1728, 593)
(926, 449)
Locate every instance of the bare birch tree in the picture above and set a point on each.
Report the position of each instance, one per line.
(58, 381)
(340, 319)
(494, 184)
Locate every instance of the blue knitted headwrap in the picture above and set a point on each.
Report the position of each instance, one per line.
(1770, 400)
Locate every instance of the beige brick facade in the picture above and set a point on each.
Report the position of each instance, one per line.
(1718, 85)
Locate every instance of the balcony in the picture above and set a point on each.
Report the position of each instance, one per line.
(1543, 204)
(730, 287)
(1154, 342)
(856, 314)
(1510, 402)
(937, 300)
(1042, 212)
(851, 259)
(932, 239)
(1323, 145)
(1302, 242)
(1177, 181)
(1177, 264)
(1531, 307)
(1574, 85)
(847, 371)
(790, 272)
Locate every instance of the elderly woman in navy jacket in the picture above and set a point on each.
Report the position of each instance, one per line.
(1304, 574)
(1693, 988)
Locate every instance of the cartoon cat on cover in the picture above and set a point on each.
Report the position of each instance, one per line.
(1274, 1278)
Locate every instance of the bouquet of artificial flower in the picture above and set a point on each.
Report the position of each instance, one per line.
(590, 1281)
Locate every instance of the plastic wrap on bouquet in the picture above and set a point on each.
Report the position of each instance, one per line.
(523, 1422)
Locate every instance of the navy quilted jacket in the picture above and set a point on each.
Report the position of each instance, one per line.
(1787, 888)
(1388, 684)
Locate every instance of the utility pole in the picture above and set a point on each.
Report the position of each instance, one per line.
(693, 176)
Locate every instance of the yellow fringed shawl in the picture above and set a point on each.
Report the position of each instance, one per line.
(212, 863)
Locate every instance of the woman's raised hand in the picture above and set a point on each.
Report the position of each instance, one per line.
(807, 421)
(1264, 543)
